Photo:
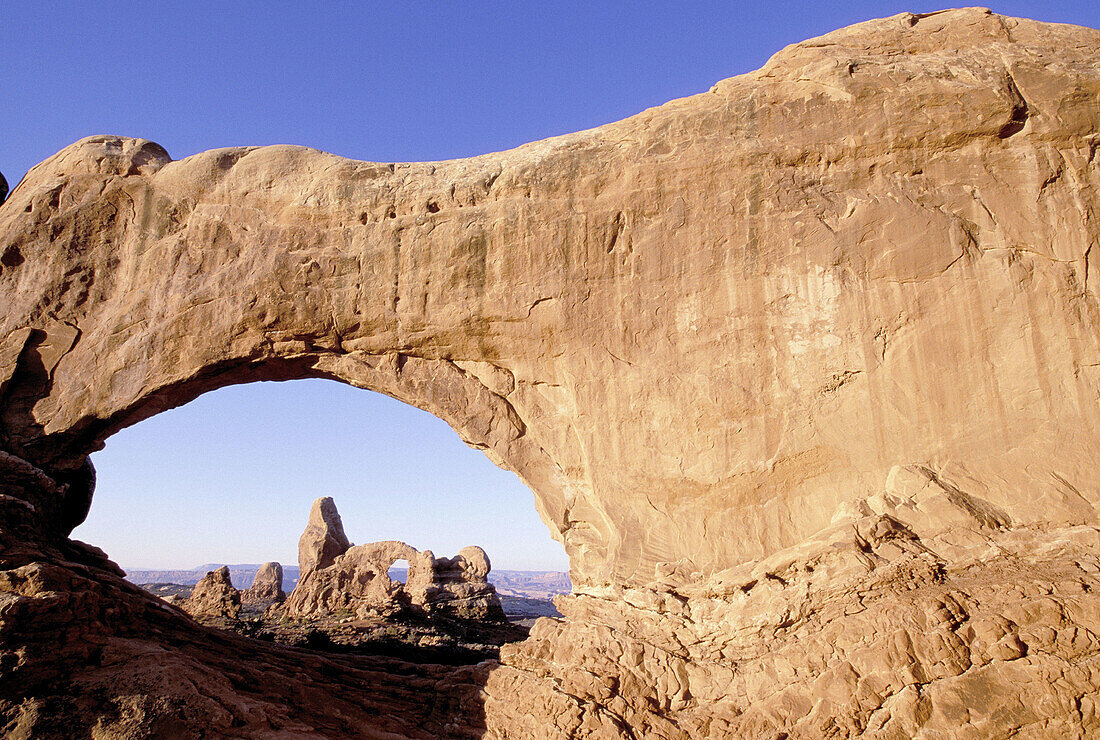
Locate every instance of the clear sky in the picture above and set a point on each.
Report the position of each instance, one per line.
(229, 477)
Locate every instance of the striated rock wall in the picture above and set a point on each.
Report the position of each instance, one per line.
(860, 631)
(804, 372)
(737, 310)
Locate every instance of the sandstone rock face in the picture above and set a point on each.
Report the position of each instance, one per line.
(861, 632)
(324, 538)
(267, 587)
(460, 586)
(215, 596)
(804, 372)
(356, 579)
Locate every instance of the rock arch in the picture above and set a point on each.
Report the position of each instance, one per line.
(212, 312)
(827, 330)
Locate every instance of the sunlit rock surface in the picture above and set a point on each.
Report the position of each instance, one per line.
(323, 539)
(354, 580)
(267, 587)
(803, 372)
(214, 596)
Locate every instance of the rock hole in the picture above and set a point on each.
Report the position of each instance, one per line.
(12, 257)
(433, 207)
(1016, 122)
(399, 571)
(235, 471)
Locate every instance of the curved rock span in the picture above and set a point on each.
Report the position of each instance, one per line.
(336, 576)
(803, 371)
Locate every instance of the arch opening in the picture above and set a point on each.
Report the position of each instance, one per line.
(399, 571)
(228, 478)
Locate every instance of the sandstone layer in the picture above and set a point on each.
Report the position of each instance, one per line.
(803, 371)
(323, 539)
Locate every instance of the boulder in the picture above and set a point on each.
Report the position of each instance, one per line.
(460, 587)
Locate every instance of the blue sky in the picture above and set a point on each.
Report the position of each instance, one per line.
(229, 477)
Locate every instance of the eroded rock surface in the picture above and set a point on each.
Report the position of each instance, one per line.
(804, 372)
(324, 538)
(356, 581)
(267, 587)
(460, 586)
(215, 596)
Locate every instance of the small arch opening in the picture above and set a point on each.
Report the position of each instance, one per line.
(399, 571)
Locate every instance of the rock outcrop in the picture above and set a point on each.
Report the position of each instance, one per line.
(356, 580)
(324, 538)
(460, 586)
(266, 589)
(215, 596)
(804, 372)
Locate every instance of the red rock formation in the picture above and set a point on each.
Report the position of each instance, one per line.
(215, 596)
(266, 589)
(323, 539)
(802, 371)
(356, 579)
(460, 587)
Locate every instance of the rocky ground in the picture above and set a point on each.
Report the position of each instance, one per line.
(409, 636)
(533, 584)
